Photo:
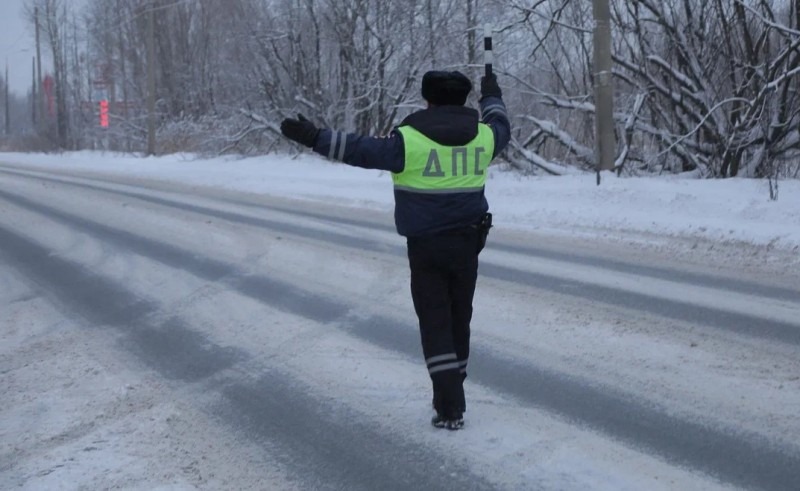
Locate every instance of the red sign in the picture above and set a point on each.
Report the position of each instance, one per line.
(104, 113)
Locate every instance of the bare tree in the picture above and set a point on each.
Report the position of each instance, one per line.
(701, 86)
(51, 17)
(713, 72)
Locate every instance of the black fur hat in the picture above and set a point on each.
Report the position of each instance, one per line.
(445, 88)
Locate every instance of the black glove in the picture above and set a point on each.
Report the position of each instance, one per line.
(489, 87)
(300, 130)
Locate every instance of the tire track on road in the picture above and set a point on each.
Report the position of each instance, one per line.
(281, 416)
(745, 324)
(741, 459)
(679, 276)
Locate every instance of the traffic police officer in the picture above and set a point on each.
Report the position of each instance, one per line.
(438, 158)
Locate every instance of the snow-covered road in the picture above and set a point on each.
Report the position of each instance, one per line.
(159, 335)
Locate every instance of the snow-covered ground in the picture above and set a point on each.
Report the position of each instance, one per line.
(63, 374)
(656, 207)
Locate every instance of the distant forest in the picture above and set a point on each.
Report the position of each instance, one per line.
(706, 87)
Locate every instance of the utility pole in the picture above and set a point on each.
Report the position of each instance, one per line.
(151, 80)
(33, 92)
(603, 88)
(8, 102)
(39, 103)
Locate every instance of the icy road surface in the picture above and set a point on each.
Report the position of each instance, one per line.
(160, 336)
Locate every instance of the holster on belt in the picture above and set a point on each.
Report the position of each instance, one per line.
(483, 230)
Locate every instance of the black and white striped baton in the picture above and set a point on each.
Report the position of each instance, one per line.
(487, 49)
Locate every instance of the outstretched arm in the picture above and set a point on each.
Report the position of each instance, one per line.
(360, 151)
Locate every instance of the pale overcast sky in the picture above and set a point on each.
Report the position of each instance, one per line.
(16, 45)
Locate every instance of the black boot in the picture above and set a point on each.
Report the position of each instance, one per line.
(451, 422)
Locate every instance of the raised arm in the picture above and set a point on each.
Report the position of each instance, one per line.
(494, 114)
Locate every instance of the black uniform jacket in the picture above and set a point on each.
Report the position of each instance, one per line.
(419, 214)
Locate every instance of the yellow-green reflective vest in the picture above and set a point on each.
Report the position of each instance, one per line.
(438, 169)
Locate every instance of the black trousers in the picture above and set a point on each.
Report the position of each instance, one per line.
(444, 270)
